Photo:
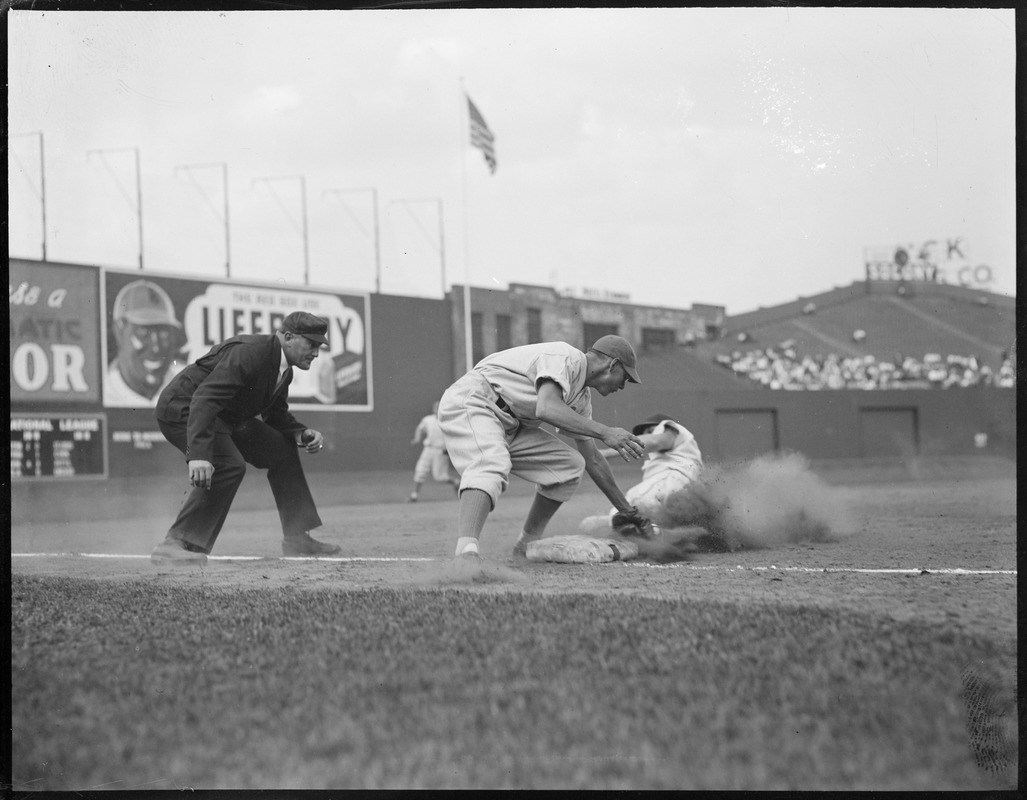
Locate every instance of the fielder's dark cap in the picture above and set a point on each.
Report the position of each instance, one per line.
(307, 325)
(652, 419)
(619, 348)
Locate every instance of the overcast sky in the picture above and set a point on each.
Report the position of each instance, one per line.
(740, 157)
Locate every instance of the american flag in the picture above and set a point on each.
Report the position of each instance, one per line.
(481, 136)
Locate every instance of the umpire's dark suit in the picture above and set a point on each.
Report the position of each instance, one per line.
(226, 409)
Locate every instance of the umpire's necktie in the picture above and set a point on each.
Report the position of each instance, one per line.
(283, 379)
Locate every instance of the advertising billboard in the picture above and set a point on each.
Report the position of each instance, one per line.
(155, 325)
(930, 261)
(55, 339)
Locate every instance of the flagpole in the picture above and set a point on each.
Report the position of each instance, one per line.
(465, 129)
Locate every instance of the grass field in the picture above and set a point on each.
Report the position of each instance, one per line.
(886, 661)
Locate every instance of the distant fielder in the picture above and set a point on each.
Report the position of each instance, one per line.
(434, 461)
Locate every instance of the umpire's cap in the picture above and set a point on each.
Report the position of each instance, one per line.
(307, 325)
(144, 303)
(652, 419)
(619, 348)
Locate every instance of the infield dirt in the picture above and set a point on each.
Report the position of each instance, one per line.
(961, 524)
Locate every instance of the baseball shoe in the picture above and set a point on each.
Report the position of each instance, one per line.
(175, 551)
(597, 525)
(412, 498)
(520, 548)
(467, 551)
(305, 545)
(651, 531)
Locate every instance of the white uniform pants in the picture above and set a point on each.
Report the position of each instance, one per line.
(433, 462)
(487, 444)
(650, 495)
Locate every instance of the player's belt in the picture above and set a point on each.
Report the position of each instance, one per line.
(501, 404)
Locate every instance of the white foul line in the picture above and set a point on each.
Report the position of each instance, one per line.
(905, 571)
(222, 558)
(676, 565)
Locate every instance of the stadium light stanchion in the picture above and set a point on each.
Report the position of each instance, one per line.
(442, 238)
(224, 187)
(42, 182)
(139, 187)
(303, 210)
(377, 243)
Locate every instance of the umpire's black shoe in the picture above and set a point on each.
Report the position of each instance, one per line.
(305, 545)
(175, 551)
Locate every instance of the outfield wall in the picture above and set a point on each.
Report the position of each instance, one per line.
(836, 424)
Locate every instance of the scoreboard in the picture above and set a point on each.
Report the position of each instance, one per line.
(49, 446)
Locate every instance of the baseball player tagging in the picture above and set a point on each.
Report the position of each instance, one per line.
(492, 416)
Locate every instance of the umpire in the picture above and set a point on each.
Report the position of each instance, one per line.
(231, 408)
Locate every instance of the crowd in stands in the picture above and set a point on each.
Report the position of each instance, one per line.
(781, 368)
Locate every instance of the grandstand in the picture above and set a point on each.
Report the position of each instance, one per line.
(930, 334)
(911, 319)
(672, 369)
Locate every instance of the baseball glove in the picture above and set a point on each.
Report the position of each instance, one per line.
(631, 522)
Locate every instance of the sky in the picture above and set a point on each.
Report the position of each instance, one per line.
(740, 157)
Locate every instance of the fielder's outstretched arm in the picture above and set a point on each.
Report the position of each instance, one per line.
(551, 408)
(654, 443)
(599, 471)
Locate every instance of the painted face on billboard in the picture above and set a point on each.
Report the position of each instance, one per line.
(148, 336)
(145, 352)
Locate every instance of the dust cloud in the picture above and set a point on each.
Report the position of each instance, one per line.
(764, 502)
(464, 571)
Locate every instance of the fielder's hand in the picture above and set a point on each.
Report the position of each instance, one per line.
(631, 522)
(624, 443)
(201, 473)
(312, 440)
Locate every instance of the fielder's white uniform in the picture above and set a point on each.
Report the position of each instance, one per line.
(665, 472)
(488, 419)
(434, 460)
